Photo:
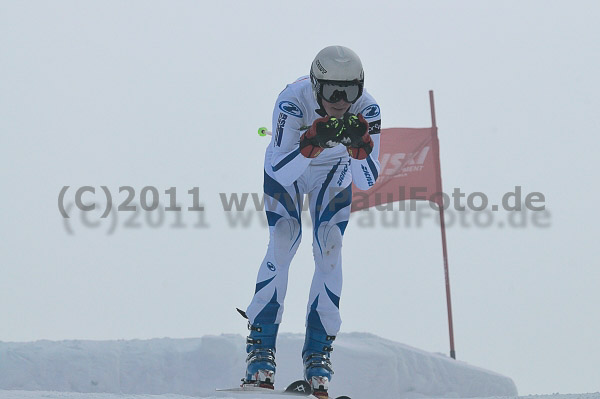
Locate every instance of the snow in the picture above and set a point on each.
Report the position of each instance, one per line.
(72, 395)
(365, 365)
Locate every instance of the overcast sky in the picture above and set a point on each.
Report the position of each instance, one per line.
(170, 94)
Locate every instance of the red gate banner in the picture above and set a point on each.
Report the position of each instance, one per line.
(408, 158)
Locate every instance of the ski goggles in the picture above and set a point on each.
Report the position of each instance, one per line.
(334, 92)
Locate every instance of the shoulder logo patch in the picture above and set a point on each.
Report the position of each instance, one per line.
(290, 108)
(371, 111)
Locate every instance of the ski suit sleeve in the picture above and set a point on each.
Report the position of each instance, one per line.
(366, 171)
(287, 162)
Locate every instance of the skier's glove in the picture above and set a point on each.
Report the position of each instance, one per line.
(357, 139)
(324, 133)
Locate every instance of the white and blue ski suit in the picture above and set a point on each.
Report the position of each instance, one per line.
(327, 179)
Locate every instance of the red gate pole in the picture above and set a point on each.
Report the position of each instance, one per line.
(442, 224)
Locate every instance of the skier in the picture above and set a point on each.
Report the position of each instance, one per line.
(325, 136)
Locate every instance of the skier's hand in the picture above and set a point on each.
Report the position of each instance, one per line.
(357, 139)
(324, 133)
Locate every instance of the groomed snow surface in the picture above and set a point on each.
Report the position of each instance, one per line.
(366, 366)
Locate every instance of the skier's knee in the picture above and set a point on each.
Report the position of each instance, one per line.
(286, 238)
(327, 247)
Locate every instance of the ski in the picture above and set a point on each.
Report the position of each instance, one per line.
(296, 388)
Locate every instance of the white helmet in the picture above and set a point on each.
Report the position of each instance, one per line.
(336, 73)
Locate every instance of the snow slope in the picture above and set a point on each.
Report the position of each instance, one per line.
(365, 365)
(71, 395)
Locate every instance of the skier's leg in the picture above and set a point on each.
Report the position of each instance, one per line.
(330, 211)
(283, 206)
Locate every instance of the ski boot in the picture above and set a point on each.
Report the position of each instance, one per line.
(317, 365)
(260, 363)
